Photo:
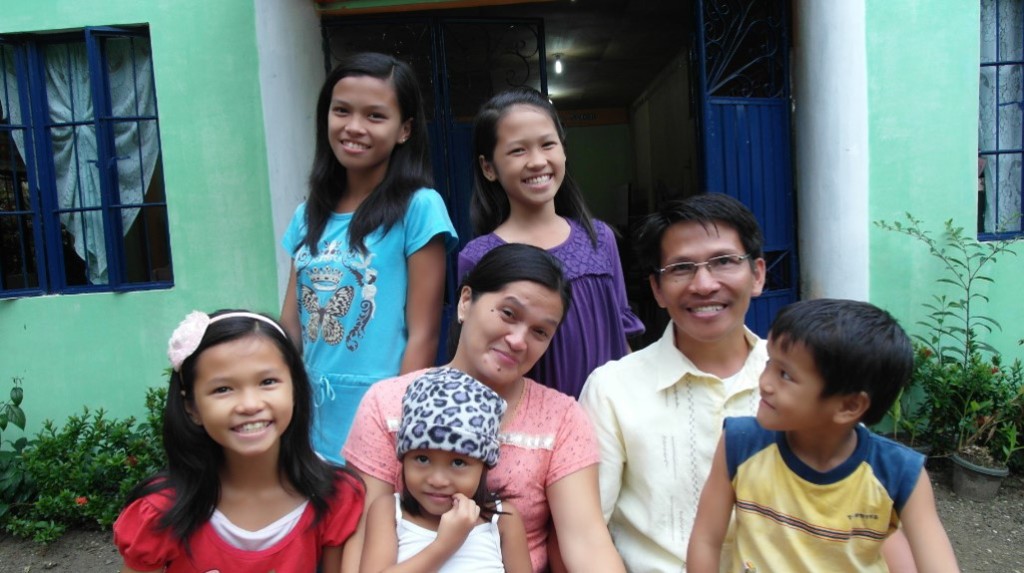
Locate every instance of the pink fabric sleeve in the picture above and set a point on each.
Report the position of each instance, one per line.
(370, 447)
(139, 539)
(346, 509)
(575, 444)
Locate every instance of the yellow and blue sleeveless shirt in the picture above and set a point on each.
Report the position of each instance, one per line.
(791, 517)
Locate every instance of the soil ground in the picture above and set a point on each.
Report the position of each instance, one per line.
(988, 537)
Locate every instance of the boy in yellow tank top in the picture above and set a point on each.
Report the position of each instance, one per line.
(812, 488)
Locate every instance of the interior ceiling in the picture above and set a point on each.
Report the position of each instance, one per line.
(611, 49)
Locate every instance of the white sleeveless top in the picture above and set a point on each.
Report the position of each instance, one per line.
(481, 552)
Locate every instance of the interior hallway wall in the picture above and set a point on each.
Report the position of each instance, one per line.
(600, 159)
(664, 136)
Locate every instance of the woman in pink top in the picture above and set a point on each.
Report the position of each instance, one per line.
(509, 307)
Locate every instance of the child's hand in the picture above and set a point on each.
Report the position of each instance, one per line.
(457, 522)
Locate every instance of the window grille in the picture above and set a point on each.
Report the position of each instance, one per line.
(82, 203)
(1001, 119)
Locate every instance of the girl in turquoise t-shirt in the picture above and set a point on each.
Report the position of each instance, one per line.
(371, 221)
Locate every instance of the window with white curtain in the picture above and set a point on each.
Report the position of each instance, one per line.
(82, 204)
(1001, 119)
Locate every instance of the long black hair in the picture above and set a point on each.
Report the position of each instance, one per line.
(408, 168)
(194, 460)
(489, 206)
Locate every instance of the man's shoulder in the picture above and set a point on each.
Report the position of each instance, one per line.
(626, 375)
(758, 345)
(644, 360)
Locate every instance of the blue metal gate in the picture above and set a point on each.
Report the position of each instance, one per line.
(742, 60)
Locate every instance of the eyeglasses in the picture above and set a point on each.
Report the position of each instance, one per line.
(722, 265)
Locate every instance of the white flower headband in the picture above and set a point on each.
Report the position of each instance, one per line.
(186, 338)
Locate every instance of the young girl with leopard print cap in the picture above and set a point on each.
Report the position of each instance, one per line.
(446, 519)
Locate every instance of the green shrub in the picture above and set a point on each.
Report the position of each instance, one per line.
(81, 473)
(907, 420)
(980, 404)
(14, 485)
(970, 400)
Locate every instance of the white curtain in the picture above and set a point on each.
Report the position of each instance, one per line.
(1001, 112)
(10, 100)
(74, 148)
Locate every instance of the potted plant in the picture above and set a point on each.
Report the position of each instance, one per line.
(988, 401)
(973, 405)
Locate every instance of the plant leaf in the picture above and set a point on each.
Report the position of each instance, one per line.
(16, 416)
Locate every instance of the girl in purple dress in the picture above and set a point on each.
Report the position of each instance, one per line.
(524, 195)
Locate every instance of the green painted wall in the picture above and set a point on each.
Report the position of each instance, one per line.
(922, 60)
(104, 350)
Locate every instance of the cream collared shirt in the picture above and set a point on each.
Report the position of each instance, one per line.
(658, 419)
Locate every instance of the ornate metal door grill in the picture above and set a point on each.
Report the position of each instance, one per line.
(742, 64)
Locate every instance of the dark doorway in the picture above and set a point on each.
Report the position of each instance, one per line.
(630, 93)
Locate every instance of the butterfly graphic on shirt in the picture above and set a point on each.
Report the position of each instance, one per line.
(326, 320)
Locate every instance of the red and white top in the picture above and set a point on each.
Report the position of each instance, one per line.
(146, 547)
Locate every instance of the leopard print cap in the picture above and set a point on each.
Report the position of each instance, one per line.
(447, 409)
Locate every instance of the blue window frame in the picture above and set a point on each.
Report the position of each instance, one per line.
(1001, 120)
(82, 202)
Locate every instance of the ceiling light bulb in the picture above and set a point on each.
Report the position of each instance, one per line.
(558, 64)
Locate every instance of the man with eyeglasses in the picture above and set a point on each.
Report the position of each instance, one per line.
(658, 412)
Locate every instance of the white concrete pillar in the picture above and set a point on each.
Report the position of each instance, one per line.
(831, 143)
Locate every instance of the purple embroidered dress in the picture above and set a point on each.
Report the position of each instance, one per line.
(594, 330)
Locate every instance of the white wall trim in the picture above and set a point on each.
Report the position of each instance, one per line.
(291, 65)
